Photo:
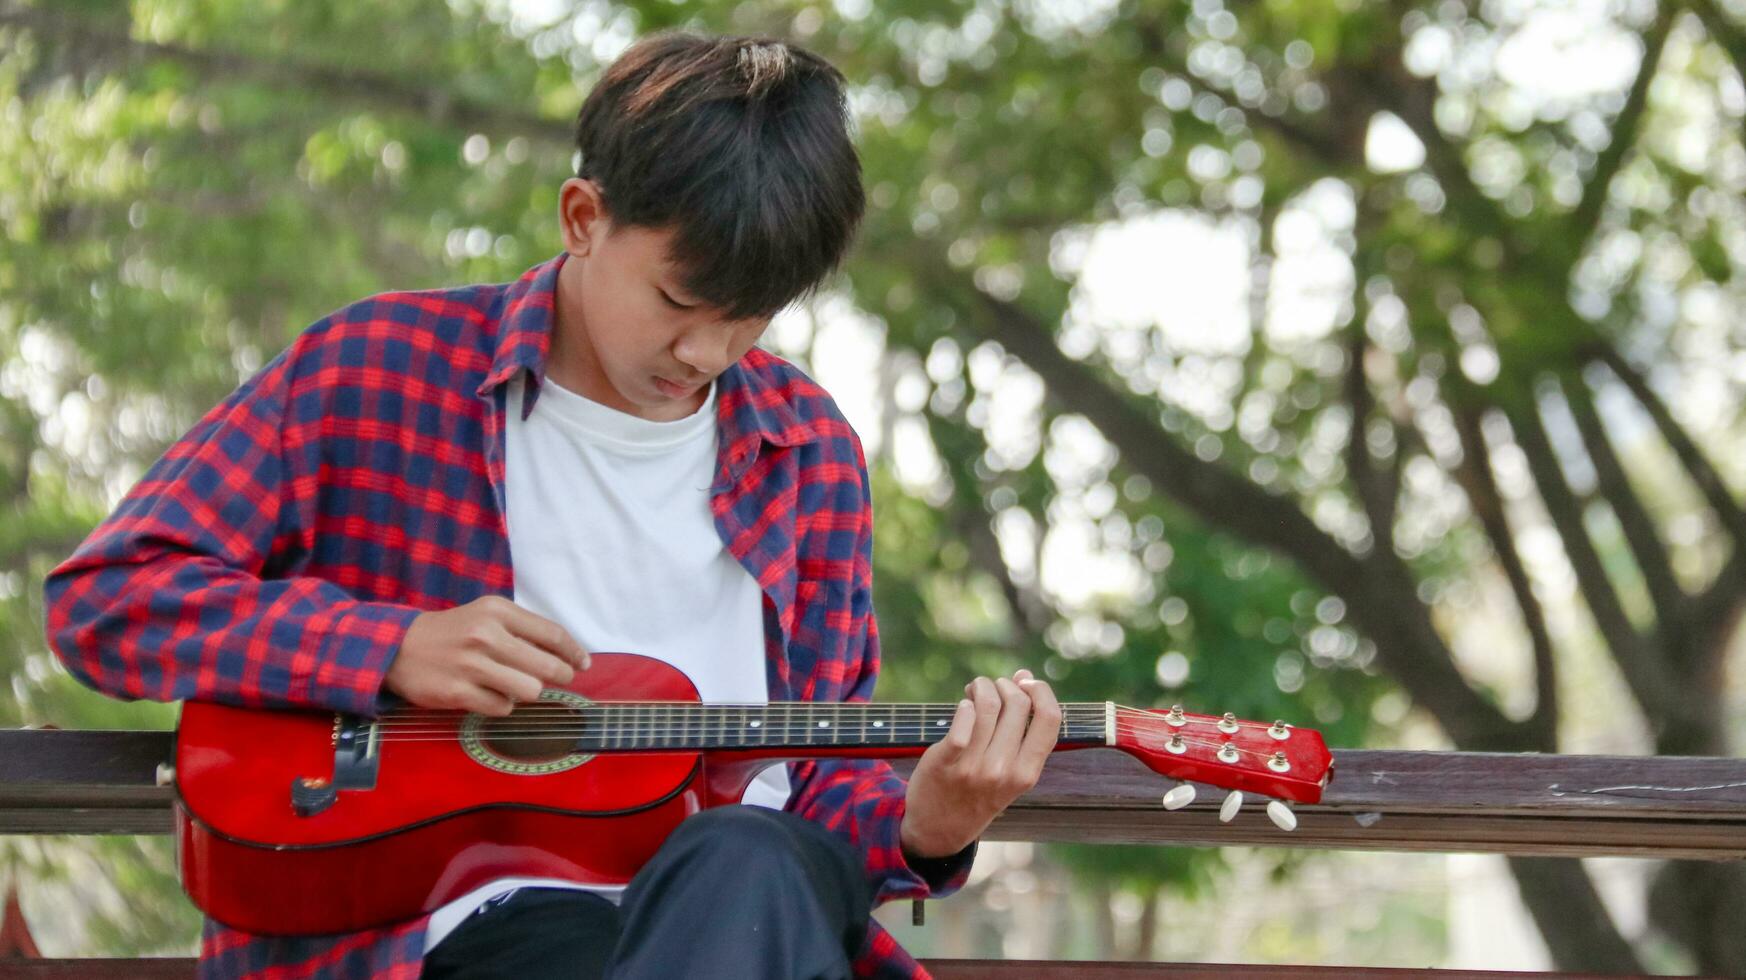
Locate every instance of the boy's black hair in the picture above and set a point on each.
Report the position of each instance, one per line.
(740, 146)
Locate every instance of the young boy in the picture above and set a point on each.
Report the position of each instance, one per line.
(339, 532)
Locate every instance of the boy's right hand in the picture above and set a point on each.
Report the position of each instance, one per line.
(483, 657)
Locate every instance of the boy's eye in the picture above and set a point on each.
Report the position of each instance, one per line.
(671, 301)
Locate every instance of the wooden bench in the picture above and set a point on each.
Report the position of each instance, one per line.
(105, 782)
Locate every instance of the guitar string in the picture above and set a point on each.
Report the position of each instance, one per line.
(780, 742)
(721, 718)
(440, 715)
(415, 711)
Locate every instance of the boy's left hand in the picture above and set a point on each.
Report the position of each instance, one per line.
(1000, 737)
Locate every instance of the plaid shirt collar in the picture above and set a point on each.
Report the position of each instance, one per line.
(748, 409)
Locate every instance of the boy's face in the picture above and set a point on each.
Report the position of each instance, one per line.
(626, 333)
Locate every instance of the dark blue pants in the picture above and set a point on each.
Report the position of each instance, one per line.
(736, 891)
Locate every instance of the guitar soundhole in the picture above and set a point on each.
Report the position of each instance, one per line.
(537, 739)
(535, 733)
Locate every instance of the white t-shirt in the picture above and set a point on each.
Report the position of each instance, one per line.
(611, 536)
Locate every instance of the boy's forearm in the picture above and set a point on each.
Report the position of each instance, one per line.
(181, 627)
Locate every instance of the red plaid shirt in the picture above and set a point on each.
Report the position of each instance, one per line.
(276, 555)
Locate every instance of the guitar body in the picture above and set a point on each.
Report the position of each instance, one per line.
(438, 820)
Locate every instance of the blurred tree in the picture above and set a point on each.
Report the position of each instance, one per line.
(1278, 517)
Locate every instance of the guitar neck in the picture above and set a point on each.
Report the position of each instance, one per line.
(609, 726)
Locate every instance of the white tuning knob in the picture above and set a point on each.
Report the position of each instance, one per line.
(1179, 796)
(1228, 809)
(1280, 813)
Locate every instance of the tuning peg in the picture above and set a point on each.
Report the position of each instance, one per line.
(1179, 796)
(1228, 809)
(1280, 813)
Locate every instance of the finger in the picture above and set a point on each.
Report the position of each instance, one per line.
(546, 635)
(513, 651)
(987, 700)
(483, 701)
(1015, 714)
(957, 738)
(1045, 730)
(506, 681)
(1022, 674)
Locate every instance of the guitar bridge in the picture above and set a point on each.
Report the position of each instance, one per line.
(355, 766)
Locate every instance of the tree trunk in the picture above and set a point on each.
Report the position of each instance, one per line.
(1146, 931)
(1699, 904)
(1103, 919)
(1577, 928)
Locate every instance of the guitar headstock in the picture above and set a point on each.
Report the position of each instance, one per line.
(1277, 760)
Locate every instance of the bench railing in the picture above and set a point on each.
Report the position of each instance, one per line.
(105, 782)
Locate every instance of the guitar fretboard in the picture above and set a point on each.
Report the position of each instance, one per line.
(605, 726)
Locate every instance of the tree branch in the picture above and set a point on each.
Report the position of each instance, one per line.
(1648, 679)
(1709, 482)
(1594, 193)
(1476, 478)
(1641, 534)
(1723, 31)
(426, 99)
(1379, 593)
(1030, 611)
(1715, 615)
(1373, 486)
(1377, 492)
(1714, 611)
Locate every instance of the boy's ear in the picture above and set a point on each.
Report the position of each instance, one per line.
(582, 217)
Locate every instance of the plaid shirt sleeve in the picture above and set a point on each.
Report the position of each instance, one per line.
(188, 590)
(863, 800)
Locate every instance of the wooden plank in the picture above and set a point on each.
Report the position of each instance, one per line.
(1440, 833)
(1659, 787)
(1546, 805)
(83, 782)
(944, 969)
(1555, 805)
(145, 968)
(1088, 970)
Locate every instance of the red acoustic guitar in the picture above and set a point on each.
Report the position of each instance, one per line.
(296, 823)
